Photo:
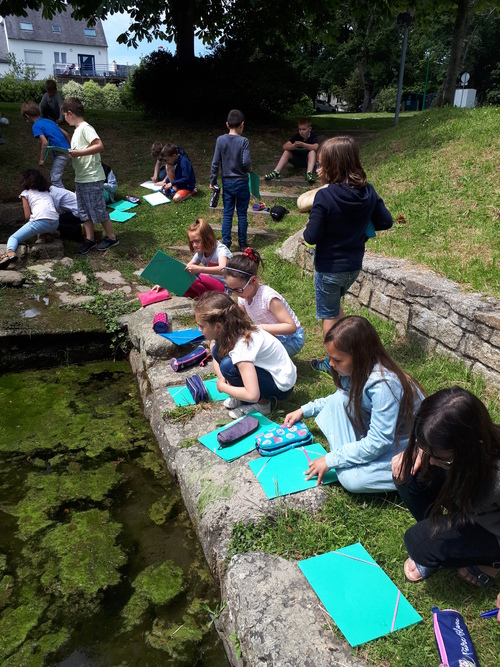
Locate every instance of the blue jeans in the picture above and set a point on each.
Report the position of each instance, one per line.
(30, 229)
(439, 545)
(329, 289)
(57, 170)
(267, 385)
(293, 343)
(235, 193)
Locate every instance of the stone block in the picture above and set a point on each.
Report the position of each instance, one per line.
(399, 313)
(468, 305)
(484, 352)
(379, 302)
(41, 250)
(11, 278)
(67, 262)
(486, 332)
(415, 287)
(394, 291)
(434, 326)
(490, 319)
(495, 339)
(490, 377)
(365, 293)
(68, 299)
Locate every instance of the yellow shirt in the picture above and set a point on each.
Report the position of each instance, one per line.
(88, 168)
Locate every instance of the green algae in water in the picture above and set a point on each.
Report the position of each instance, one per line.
(81, 473)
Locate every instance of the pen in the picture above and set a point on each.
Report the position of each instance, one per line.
(489, 614)
(309, 459)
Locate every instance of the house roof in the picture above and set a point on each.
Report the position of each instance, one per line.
(72, 31)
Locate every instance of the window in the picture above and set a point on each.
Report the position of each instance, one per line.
(25, 26)
(89, 32)
(56, 56)
(33, 58)
(63, 57)
(56, 28)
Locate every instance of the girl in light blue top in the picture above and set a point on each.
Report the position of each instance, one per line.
(368, 419)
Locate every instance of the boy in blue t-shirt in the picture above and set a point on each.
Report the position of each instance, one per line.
(50, 135)
(232, 154)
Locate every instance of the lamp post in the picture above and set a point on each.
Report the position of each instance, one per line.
(404, 19)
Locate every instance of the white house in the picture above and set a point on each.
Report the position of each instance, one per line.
(53, 46)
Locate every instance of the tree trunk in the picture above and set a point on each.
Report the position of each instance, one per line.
(367, 93)
(182, 12)
(457, 45)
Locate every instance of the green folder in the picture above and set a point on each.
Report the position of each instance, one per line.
(169, 273)
(57, 149)
(358, 595)
(254, 184)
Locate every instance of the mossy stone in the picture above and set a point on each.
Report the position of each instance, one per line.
(15, 625)
(177, 640)
(163, 509)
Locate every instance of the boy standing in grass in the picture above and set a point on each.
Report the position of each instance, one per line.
(85, 151)
(300, 151)
(232, 154)
(50, 135)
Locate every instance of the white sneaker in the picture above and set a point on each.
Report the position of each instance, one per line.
(3, 120)
(231, 403)
(245, 408)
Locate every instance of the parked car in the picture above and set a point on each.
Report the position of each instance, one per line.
(325, 107)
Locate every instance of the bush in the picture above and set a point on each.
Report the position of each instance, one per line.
(235, 76)
(72, 89)
(386, 100)
(126, 93)
(93, 97)
(112, 101)
(14, 90)
(304, 108)
(352, 92)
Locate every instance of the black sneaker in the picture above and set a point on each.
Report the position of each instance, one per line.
(107, 243)
(86, 246)
(272, 174)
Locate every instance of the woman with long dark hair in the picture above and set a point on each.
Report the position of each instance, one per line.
(449, 478)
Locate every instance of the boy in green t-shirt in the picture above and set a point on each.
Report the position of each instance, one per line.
(85, 151)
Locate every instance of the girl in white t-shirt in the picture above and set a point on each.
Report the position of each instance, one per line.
(263, 305)
(210, 257)
(252, 366)
(39, 211)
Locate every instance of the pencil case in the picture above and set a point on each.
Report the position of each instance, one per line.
(161, 323)
(197, 389)
(198, 356)
(453, 640)
(280, 438)
(237, 431)
(146, 298)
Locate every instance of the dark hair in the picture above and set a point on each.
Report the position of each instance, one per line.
(74, 105)
(355, 336)
(235, 118)
(304, 121)
(156, 149)
(454, 420)
(30, 109)
(207, 236)
(213, 307)
(247, 262)
(169, 150)
(32, 179)
(50, 84)
(339, 160)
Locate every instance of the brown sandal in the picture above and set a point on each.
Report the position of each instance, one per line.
(7, 259)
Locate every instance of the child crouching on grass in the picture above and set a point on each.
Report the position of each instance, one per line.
(39, 211)
(251, 365)
(368, 419)
(86, 147)
(263, 305)
(180, 181)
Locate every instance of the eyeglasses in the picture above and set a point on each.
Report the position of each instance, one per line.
(431, 454)
(240, 290)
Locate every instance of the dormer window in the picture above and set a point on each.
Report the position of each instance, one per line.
(89, 32)
(26, 26)
(56, 28)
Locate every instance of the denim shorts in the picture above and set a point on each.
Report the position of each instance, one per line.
(329, 289)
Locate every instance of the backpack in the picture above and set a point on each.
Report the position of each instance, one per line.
(280, 438)
(277, 213)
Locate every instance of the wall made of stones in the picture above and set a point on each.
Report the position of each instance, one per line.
(425, 306)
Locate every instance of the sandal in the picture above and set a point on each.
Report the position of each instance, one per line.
(7, 259)
(422, 571)
(483, 579)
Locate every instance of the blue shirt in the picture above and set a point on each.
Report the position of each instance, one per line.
(51, 132)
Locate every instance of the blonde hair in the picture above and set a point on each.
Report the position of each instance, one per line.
(30, 109)
(218, 307)
(339, 159)
(207, 236)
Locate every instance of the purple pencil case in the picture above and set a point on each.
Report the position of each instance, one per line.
(237, 431)
(198, 356)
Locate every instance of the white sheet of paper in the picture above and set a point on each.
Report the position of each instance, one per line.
(156, 198)
(150, 185)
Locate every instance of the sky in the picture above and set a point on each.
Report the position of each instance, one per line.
(118, 23)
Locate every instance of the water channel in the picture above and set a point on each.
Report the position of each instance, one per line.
(99, 562)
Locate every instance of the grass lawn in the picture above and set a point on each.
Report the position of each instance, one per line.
(437, 169)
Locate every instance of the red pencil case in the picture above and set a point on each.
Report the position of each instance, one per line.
(146, 298)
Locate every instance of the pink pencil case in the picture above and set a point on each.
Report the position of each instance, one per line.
(146, 298)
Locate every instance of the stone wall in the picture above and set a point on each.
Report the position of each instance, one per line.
(427, 307)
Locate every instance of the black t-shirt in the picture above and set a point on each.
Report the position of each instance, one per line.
(311, 139)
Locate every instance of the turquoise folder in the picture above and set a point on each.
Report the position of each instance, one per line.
(240, 448)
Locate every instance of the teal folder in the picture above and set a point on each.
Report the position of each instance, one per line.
(169, 273)
(240, 448)
(283, 474)
(358, 595)
(182, 395)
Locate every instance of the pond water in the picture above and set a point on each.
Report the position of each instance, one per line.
(99, 562)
